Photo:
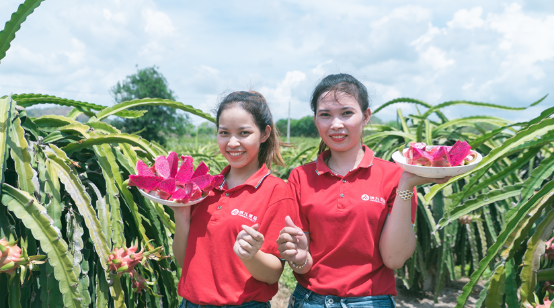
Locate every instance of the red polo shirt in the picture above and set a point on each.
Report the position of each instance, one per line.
(212, 273)
(345, 217)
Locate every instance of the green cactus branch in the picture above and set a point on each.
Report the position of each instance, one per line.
(7, 35)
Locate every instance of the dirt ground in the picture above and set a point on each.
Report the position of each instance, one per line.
(405, 298)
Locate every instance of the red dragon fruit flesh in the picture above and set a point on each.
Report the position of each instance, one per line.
(458, 153)
(440, 158)
(173, 161)
(146, 183)
(162, 167)
(201, 170)
(419, 157)
(185, 171)
(143, 169)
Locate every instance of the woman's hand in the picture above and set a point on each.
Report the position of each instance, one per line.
(293, 243)
(248, 243)
(409, 180)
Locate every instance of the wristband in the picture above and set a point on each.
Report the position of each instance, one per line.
(405, 194)
(293, 265)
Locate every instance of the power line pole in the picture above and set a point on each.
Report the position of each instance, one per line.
(288, 126)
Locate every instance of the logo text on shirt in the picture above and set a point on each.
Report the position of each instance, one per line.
(374, 199)
(244, 214)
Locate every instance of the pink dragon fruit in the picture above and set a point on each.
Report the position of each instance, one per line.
(419, 157)
(171, 182)
(10, 256)
(458, 153)
(440, 157)
(124, 260)
(546, 302)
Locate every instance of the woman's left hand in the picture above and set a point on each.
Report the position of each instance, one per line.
(248, 243)
(409, 180)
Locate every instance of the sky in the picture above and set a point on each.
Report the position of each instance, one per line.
(488, 51)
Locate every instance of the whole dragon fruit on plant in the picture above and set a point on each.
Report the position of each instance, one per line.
(123, 260)
(171, 182)
(10, 256)
(419, 154)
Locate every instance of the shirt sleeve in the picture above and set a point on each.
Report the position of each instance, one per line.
(294, 188)
(274, 222)
(392, 196)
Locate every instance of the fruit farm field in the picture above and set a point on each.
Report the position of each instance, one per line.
(73, 233)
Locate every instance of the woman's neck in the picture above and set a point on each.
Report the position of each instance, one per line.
(238, 176)
(343, 161)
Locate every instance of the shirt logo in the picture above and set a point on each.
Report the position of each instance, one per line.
(244, 214)
(373, 199)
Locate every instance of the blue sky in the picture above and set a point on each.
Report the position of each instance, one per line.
(493, 51)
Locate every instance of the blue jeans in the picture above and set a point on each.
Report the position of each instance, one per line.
(304, 298)
(186, 304)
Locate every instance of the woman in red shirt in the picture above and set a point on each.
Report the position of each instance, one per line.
(356, 210)
(219, 242)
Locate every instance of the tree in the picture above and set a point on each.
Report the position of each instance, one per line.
(159, 122)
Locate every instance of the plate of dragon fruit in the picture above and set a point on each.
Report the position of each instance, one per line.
(167, 183)
(437, 161)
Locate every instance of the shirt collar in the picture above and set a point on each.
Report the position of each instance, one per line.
(321, 166)
(255, 180)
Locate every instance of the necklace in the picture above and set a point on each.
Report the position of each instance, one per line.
(329, 165)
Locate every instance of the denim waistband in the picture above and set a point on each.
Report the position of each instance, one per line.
(252, 304)
(332, 300)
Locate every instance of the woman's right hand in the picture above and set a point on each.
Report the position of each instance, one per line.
(293, 243)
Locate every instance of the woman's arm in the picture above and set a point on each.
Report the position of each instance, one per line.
(398, 242)
(262, 266)
(182, 227)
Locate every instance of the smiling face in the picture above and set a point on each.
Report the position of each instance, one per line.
(239, 138)
(340, 120)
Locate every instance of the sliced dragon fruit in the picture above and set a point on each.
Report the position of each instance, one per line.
(146, 183)
(163, 195)
(418, 145)
(143, 169)
(173, 162)
(419, 157)
(162, 167)
(185, 171)
(196, 192)
(182, 195)
(201, 170)
(167, 185)
(216, 181)
(203, 181)
(458, 153)
(440, 157)
(471, 157)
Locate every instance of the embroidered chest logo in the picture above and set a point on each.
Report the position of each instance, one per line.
(244, 214)
(374, 199)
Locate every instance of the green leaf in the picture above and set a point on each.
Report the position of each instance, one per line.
(469, 121)
(496, 288)
(27, 100)
(412, 101)
(521, 137)
(5, 121)
(114, 138)
(537, 202)
(539, 174)
(22, 158)
(535, 249)
(151, 101)
(14, 24)
(511, 287)
(481, 200)
(34, 217)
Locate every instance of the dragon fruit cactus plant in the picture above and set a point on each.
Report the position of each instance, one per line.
(549, 251)
(419, 154)
(173, 182)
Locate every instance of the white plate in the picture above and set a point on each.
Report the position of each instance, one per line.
(433, 172)
(168, 202)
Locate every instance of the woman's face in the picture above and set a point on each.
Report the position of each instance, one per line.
(239, 138)
(340, 120)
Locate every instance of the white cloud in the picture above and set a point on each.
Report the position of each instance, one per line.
(436, 58)
(467, 19)
(158, 23)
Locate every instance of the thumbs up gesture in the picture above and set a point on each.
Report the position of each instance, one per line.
(293, 243)
(248, 242)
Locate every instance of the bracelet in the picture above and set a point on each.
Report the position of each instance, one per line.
(293, 265)
(405, 194)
